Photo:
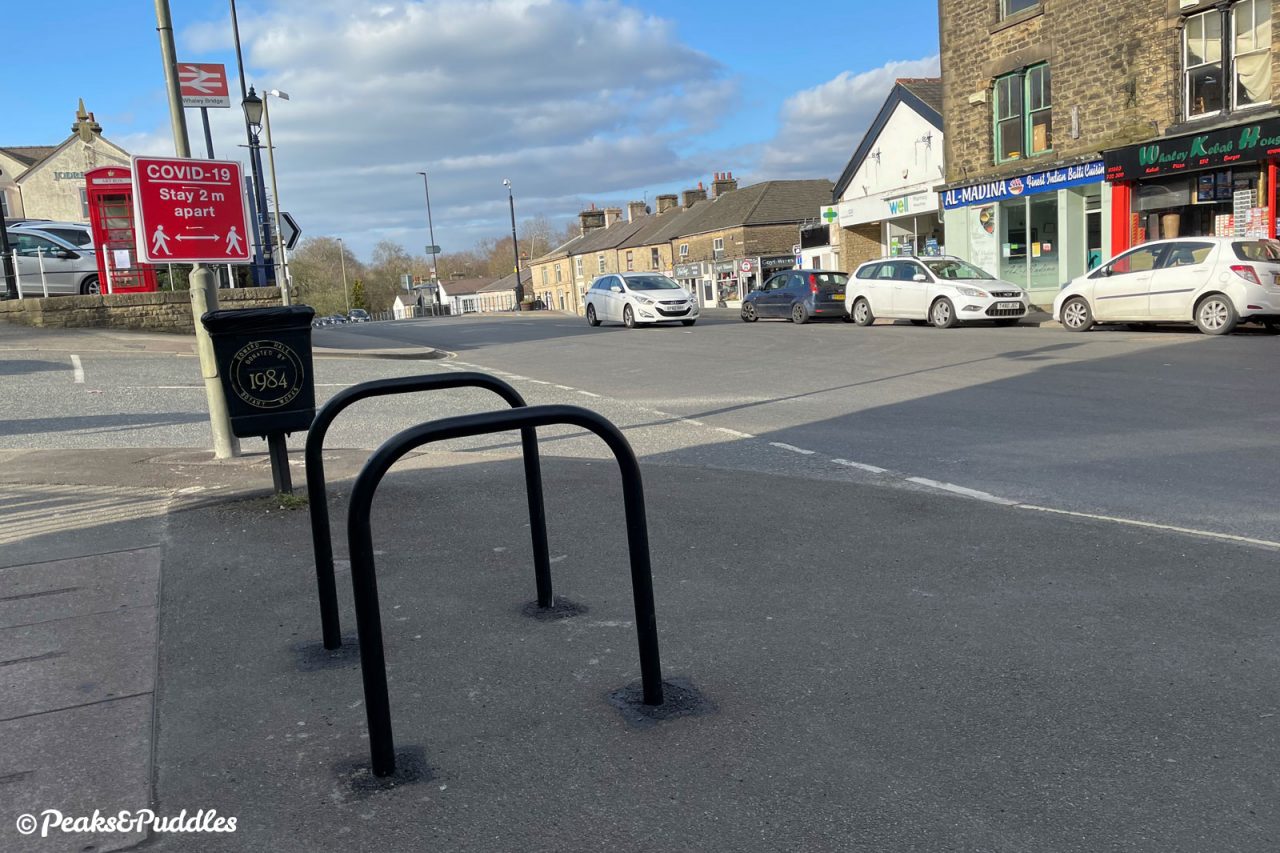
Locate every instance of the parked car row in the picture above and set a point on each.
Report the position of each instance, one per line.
(47, 260)
(1213, 282)
(356, 315)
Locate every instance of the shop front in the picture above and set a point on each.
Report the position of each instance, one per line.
(1217, 183)
(691, 278)
(907, 221)
(1037, 230)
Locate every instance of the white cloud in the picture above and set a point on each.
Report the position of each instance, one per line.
(571, 101)
(821, 127)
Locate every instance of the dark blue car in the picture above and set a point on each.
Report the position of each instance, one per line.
(799, 295)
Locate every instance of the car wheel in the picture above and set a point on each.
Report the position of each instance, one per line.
(942, 314)
(628, 318)
(799, 315)
(687, 322)
(862, 312)
(592, 320)
(90, 286)
(1215, 315)
(1076, 315)
(1008, 321)
(749, 314)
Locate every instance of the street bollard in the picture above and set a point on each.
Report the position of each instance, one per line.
(17, 275)
(364, 582)
(44, 282)
(318, 502)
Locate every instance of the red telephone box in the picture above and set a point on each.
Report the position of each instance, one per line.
(110, 195)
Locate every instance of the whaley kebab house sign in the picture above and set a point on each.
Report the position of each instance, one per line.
(1242, 144)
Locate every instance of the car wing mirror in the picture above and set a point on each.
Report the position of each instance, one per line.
(65, 254)
(919, 277)
(615, 289)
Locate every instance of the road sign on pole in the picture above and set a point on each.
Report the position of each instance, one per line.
(190, 211)
(289, 230)
(433, 250)
(203, 84)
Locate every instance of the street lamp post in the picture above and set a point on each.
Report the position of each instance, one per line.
(283, 273)
(431, 233)
(342, 259)
(506, 182)
(253, 111)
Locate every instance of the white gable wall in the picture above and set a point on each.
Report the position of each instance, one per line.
(907, 166)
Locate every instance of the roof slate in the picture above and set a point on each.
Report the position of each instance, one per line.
(767, 203)
(29, 155)
(927, 89)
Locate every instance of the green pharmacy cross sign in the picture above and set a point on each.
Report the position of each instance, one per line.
(830, 215)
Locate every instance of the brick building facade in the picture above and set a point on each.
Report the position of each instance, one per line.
(1045, 101)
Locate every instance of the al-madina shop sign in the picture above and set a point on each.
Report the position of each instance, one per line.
(1241, 144)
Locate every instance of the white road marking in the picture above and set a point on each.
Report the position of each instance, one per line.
(791, 447)
(77, 370)
(692, 421)
(566, 388)
(587, 393)
(538, 382)
(733, 432)
(961, 490)
(874, 469)
(1230, 537)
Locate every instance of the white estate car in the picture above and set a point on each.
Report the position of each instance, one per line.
(631, 298)
(1214, 282)
(943, 291)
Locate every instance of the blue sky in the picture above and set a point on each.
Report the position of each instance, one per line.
(576, 102)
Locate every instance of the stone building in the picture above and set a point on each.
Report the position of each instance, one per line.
(1040, 94)
(47, 181)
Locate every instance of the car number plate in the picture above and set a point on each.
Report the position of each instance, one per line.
(1009, 306)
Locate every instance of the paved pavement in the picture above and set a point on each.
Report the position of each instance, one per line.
(881, 668)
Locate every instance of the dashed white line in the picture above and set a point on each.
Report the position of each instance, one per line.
(961, 490)
(692, 421)
(791, 447)
(566, 388)
(733, 432)
(587, 393)
(77, 370)
(1230, 537)
(861, 466)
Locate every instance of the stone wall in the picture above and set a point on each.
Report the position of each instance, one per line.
(166, 311)
(1115, 61)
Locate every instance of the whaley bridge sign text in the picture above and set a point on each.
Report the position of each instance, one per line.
(190, 211)
(1242, 144)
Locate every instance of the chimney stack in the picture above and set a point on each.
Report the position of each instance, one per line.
(688, 197)
(725, 182)
(591, 219)
(612, 216)
(636, 209)
(666, 201)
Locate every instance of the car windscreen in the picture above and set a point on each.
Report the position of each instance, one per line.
(950, 270)
(1257, 250)
(652, 282)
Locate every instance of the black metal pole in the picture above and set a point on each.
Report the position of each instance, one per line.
(262, 272)
(318, 500)
(515, 247)
(279, 452)
(364, 582)
(264, 219)
(208, 135)
(6, 261)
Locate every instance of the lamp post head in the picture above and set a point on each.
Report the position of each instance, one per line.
(506, 182)
(253, 110)
(284, 96)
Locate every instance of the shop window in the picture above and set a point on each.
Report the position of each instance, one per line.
(1023, 114)
(1208, 89)
(684, 250)
(1009, 8)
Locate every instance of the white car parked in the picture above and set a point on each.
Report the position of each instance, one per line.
(631, 298)
(1214, 282)
(943, 291)
(68, 269)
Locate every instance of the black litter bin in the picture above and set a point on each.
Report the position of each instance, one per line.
(264, 359)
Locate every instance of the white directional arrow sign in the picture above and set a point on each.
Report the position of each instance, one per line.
(289, 230)
(203, 84)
